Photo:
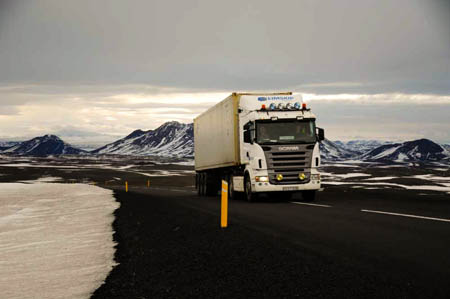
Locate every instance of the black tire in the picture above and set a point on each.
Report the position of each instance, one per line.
(197, 184)
(202, 184)
(249, 195)
(210, 188)
(309, 195)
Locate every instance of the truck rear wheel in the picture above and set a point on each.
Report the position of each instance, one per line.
(210, 185)
(197, 184)
(309, 195)
(201, 184)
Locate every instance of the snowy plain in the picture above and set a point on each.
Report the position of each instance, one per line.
(360, 180)
(55, 239)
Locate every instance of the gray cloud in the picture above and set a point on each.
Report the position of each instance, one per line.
(95, 70)
(383, 46)
(346, 120)
(8, 110)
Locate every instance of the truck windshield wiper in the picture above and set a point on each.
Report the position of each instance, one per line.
(294, 142)
(268, 142)
(301, 142)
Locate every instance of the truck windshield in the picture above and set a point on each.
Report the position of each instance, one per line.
(285, 131)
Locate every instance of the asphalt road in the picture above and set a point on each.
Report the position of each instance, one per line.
(352, 243)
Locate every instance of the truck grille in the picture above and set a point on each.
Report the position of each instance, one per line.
(290, 161)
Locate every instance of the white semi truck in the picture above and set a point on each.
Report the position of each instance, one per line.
(259, 143)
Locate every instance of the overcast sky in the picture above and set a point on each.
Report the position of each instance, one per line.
(92, 71)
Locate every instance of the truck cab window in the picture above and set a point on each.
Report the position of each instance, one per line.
(249, 132)
(286, 131)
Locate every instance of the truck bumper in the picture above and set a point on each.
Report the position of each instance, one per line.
(268, 187)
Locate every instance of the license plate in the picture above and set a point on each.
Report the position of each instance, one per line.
(290, 188)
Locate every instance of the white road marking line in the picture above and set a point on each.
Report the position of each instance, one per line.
(310, 204)
(407, 215)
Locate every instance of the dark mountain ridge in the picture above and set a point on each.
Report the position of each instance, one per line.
(44, 146)
(416, 150)
(174, 139)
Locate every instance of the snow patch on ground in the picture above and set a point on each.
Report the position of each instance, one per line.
(185, 163)
(440, 169)
(345, 175)
(441, 183)
(36, 165)
(341, 165)
(392, 166)
(382, 178)
(47, 179)
(166, 173)
(431, 177)
(55, 239)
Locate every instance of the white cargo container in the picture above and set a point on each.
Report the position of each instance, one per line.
(216, 136)
(258, 143)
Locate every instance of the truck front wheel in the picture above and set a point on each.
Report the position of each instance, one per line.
(309, 195)
(251, 196)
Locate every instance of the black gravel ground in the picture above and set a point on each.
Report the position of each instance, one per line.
(166, 250)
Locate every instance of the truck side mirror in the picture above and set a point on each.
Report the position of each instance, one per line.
(320, 134)
(248, 136)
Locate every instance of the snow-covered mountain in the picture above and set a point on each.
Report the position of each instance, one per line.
(363, 146)
(43, 146)
(7, 144)
(172, 139)
(335, 151)
(416, 150)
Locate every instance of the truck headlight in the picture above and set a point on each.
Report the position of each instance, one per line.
(279, 177)
(261, 179)
(315, 177)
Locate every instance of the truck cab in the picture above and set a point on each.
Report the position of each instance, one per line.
(280, 147)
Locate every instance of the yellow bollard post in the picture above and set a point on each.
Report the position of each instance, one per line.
(148, 183)
(126, 186)
(224, 209)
